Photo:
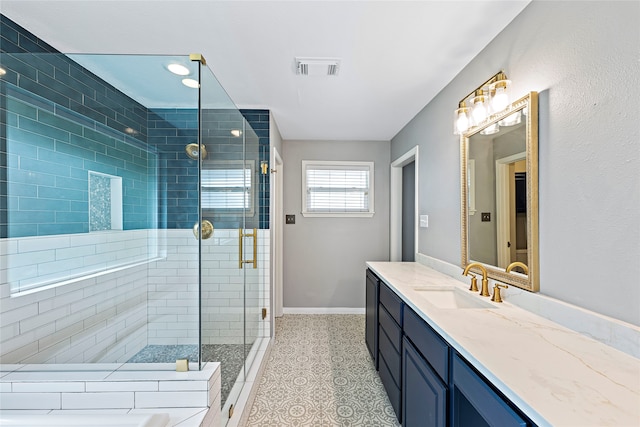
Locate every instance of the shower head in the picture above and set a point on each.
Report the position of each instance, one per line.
(192, 151)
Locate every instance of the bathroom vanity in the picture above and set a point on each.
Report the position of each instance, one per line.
(447, 356)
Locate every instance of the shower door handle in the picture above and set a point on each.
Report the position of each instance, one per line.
(241, 237)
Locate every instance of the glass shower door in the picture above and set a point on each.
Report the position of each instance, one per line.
(229, 198)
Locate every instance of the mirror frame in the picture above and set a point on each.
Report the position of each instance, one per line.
(530, 282)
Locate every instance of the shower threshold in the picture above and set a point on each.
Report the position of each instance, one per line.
(230, 356)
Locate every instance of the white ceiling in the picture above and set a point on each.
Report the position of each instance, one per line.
(395, 55)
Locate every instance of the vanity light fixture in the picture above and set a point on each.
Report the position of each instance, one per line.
(236, 132)
(489, 98)
(490, 130)
(511, 120)
(178, 69)
(2, 71)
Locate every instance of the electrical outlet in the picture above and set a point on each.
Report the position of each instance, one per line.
(290, 219)
(424, 221)
(486, 216)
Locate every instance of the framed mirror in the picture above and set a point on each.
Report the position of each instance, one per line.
(499, 194)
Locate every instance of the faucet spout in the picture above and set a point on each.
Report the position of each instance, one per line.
(485, 281)
(515, 264)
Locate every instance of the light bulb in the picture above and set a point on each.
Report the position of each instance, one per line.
(490, 130)
(511, 120)
(479, 112)
(500, 100)
(460, 120)
(501, 93)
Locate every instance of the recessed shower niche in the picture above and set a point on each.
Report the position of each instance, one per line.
(105, 202)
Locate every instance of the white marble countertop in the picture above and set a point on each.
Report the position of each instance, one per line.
(556, 376)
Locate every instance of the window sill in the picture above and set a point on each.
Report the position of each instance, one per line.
(338, 214)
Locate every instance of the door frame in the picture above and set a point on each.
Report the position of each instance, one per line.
(503, 221)
(395, 210)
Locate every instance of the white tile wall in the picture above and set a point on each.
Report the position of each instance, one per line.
(90, 320)
(30, 401)
(173, 289)
(105, 400)
(110, 317)
(186, 396)
(48, 260)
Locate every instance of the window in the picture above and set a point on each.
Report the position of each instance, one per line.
(337, 188)
(227, 187)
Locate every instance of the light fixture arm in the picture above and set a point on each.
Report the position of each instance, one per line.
(500, 75)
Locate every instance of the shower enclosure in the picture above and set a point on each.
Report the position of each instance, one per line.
(133, 222)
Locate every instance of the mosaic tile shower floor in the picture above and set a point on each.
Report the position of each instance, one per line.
(230, 357)
(319, 373)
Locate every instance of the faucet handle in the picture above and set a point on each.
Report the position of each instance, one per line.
(496, 292)
(474, 283)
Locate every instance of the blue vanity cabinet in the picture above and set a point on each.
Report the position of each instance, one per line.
(476, 403)
(427, 381)
(425, 374)
(424, 393)
(371, 315)
(390, 310)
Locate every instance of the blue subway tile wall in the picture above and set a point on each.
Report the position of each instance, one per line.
(58, 121)
(48, 165)
(259, 122)
(170, 130)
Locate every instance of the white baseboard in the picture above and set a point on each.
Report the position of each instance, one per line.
(323, 310)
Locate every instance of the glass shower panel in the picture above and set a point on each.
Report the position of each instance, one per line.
(110, 168)
(252, 254)
(227, 196)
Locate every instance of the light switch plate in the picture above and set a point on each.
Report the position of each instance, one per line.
(424, 221)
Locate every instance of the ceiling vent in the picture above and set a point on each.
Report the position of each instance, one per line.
(317, 66)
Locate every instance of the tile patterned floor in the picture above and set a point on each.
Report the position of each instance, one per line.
(319, 373)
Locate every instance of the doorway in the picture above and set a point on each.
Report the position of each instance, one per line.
(397, 194)
(511, 212)
(408, 212)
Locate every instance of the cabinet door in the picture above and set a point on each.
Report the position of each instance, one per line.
(475, 403)
(424, 395)
(371, 322)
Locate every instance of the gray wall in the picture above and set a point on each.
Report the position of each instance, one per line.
(325, 257)
(583, 59)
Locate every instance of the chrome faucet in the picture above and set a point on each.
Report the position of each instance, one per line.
(485, 281)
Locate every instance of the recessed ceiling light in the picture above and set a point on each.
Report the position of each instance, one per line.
(191, 83)
(178, 69)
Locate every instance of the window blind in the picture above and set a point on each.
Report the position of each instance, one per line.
(338, 188)
(227, 189)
